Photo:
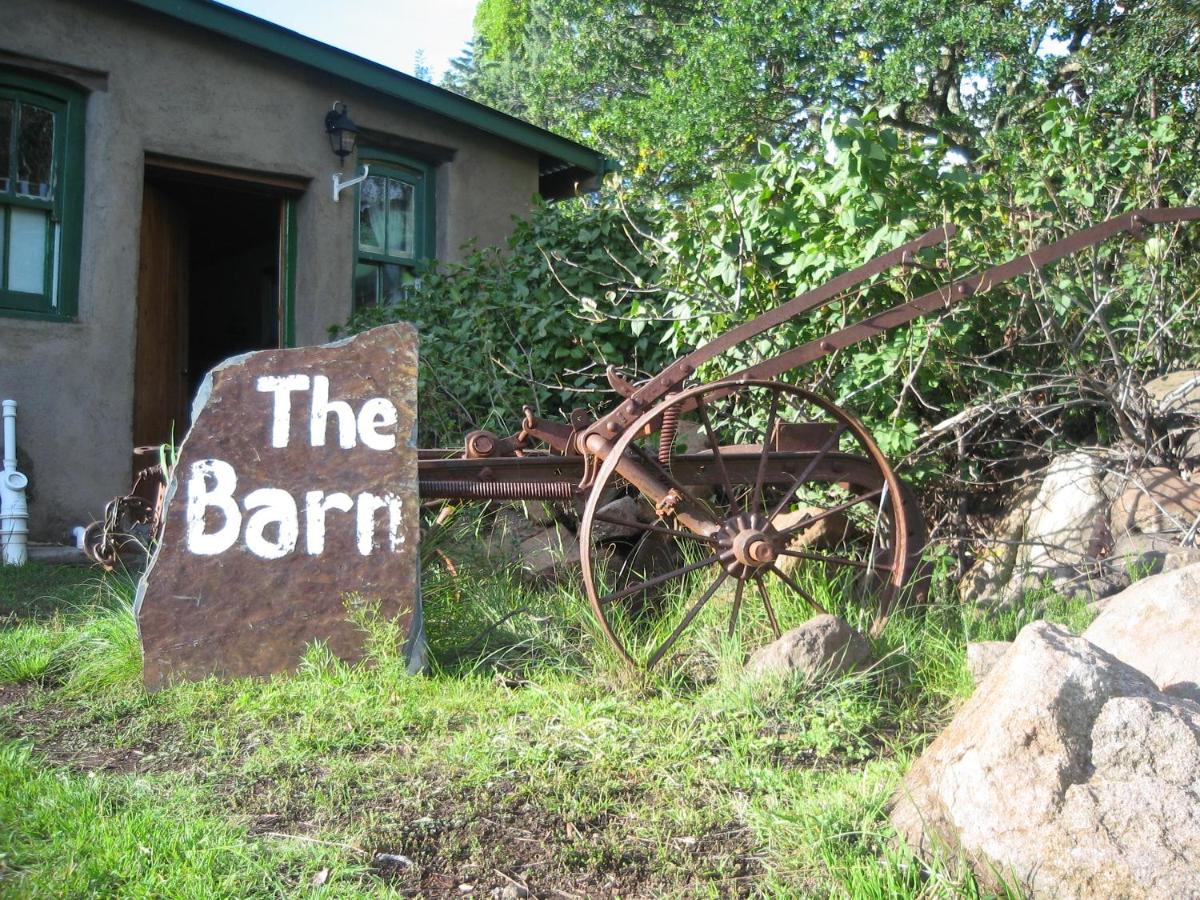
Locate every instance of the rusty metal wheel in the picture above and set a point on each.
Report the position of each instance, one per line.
(792, 510)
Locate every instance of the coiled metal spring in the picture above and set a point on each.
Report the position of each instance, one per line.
(496, 490)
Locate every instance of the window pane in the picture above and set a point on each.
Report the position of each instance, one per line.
(371, 212)
(27, 250)
(35, 151)
(394, 284)
(401, 215)
(6, 115)
(366, 286)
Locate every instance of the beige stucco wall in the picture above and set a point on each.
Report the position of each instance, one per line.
(176, 90)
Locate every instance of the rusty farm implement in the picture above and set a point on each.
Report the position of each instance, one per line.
(746, 488)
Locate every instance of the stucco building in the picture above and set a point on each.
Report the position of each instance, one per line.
(166, 200)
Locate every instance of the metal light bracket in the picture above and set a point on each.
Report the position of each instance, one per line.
(339, 185)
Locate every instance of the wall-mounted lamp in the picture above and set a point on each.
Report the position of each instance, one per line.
(343, 134)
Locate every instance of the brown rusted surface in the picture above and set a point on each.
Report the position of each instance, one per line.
(233, 612)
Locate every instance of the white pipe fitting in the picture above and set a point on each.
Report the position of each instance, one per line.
(14, 511)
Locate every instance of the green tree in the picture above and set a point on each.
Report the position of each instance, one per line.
(673, 87)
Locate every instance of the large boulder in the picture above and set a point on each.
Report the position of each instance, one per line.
(1154, 626)
(982, 657)
(1141, 555)
(986, 581)
(1156, 501)
(824, 645)
(1176, 393)
(1048, 536)
(541, 553)
(1067, 772)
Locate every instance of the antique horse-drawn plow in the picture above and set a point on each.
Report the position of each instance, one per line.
(746, 483)
(746, 480)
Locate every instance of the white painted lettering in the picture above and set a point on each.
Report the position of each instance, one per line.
(376, 413)
(322, 406)
(200, 498)
(368, 504)
(395, 521)
(281, 416)
(316, 504)
(271, 506)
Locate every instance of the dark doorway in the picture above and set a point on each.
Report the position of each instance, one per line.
(209, 287)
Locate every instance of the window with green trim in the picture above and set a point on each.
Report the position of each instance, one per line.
(41, 197)
(395, 229)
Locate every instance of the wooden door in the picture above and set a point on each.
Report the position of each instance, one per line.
(160, 400)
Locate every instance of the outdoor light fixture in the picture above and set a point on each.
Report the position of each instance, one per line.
(343, 134)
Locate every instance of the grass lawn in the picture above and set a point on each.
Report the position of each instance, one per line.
(528, 760)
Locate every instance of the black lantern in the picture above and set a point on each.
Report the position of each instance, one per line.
(342, 131)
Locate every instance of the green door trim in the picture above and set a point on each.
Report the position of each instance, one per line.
(287, 280)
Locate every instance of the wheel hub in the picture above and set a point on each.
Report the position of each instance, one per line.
(752, 546)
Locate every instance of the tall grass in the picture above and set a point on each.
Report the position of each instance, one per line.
(524, 693)
(84, 648)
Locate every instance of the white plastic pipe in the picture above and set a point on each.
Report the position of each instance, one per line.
(14, 512)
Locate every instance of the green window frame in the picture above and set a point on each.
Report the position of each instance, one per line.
(41, 200)
(395, 227)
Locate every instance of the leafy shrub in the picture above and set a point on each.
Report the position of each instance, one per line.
(984, 392)
(531, 323)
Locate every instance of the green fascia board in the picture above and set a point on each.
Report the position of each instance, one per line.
(273, 38)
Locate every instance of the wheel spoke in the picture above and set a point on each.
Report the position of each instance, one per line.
(657, 529)
(687, 619)
(790, 582)
(762, 592)
(659, 579)
(737, 606)
(808, 470)
(837, 560)
(809, 521)
(756, 497)
(715, 443)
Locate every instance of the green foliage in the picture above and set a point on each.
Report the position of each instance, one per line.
(1044, 361)
(533, 323)
(1041, 362)
(500, 26)
(636, 79)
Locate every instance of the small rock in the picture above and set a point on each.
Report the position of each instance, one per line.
(1095, 582)
(392, 861)
(466, 888)
(982, 656)
(623, 509)
(549, 554)
(824, 645)
(513, 892)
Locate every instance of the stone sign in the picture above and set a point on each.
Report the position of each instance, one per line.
(295, 487)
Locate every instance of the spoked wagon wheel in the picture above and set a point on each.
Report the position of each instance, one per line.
(765, 504)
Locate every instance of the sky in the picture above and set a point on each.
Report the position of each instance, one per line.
(389, 32)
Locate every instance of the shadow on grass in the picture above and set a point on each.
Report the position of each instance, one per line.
(40, 591)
